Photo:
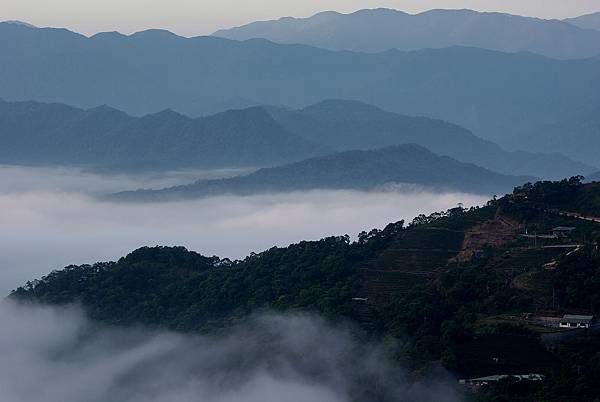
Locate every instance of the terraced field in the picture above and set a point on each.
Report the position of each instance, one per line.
(414, 258)
(523, 260)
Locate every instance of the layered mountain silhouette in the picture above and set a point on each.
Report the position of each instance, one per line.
(350, 170)
(502, 97)
(103, 137)
(378, 30)
(346, 125)
(588, 21)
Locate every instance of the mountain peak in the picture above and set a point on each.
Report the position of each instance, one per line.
(326, 14)
(252, 111)
(105, 110)
(351, 170)
(108, 35)
(381, 11)
(19, 23)
(165, 114)
(155, 34)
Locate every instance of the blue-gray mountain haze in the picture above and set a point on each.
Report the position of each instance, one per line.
(350, 170)
(377, 30)
(507, 98)
(588, 21)
(107, 139)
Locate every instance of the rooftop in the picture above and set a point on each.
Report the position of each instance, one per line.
(584, 319)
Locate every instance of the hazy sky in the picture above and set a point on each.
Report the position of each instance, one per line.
(198, 17)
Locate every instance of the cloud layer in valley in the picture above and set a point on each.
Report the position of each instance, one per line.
(57, 355)
(45, 230)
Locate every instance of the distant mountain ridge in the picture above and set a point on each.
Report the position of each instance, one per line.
(15, 22)
(350, 170)
(103, 137)
(502, 97)
(588, 21)
(346, 125)
(377, 30)
(39, 133)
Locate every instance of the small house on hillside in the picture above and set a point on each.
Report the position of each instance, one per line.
(576, 321)
(562, 231)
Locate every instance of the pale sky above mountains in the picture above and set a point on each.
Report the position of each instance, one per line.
(202, 17)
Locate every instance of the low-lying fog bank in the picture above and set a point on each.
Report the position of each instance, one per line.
(57, 355)
(42, 231)
(27, 178)
(45, 230)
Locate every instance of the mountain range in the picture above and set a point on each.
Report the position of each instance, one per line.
(502, 97)
(346, 125)
(350, 170)
(103, 137)
(377, 30)
(38, 133)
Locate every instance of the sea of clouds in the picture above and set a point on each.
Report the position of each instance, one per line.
(55, 354)
(50, 218)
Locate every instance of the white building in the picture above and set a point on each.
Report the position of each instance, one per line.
(576, 321)
(482, 381)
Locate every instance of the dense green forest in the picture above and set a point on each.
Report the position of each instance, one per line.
(456, 287)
